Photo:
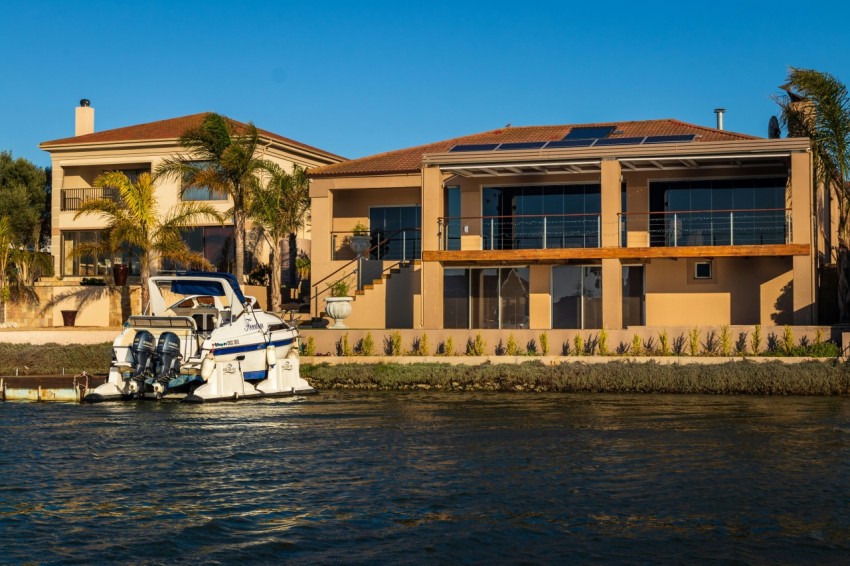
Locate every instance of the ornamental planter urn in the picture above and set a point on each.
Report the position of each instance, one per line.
(338, 308)
(360, 244)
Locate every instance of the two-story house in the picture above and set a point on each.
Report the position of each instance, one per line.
(611, 225)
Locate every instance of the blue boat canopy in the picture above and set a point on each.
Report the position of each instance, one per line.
(211, 287)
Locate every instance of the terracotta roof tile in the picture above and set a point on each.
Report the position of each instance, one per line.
(172, 128)
(409, 160)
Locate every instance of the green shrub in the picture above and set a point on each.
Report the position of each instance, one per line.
(603, 342)
(824, 350)
(565, 348)
(787, 340)
(422, 348)
(395, 344)
(544, 344)
(636, 347)
(512, 349)
(741, 344)
(664, 343)
(343, 347)
(679, 345)
(50, 359)
(649, 346)
(755, 340)
(710, 346)
(310, 347)
(449, 347)
(693, 341)
(578, 345)
(725, 341)
(476, 347)
(367, 348)
(530, 348)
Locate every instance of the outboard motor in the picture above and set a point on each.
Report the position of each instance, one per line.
(168, 355)
(143, 349)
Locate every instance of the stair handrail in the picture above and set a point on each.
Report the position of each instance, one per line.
(314, 297)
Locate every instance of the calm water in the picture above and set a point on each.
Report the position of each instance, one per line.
(355, 477)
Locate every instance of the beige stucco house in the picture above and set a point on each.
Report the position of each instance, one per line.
(78, 160)
(656, 223)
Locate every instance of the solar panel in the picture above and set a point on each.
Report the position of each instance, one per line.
(620, 141)
(521, 145)
(475, 147)
(570, 143)
(589, 132)
(670, 139)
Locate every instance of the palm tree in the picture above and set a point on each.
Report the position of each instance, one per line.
(135, 221)
(818, 107)
(222, 159)
(7, 239)
(281, 208)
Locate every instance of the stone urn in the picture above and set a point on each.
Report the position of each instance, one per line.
(360, 244)
(338, 308)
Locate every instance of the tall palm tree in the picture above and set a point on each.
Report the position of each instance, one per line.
(281, 208)
(818, 107)
(136, 221)
(222, 158)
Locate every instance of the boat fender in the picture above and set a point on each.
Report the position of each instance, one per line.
(271, 356)
(207, 366)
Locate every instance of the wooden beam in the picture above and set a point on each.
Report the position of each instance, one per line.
(536, 256)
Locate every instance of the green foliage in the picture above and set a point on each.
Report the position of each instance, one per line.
(476, 347)
(730, 378)
(664, 343)
(565, 348)
(636, 347)
(711, 344)
(92, 281)
(544, 344)
(449, 347)
(421, 347)
(395, 344)
(260, 274)
(603, 343)
(310, 347)
(343, 347)
(755, 340)
(578, 345)
(47, 359)
(512, 349)
(725, 341)
(679, 345)
(530, 348)
(693, 341)
(367, 346)
(787, 340)
(302, 266)
(24, 198)
(360, 229)
(339, 288)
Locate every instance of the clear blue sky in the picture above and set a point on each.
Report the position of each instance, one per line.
(358, 78)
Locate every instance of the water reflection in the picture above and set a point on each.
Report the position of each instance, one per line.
(400, 477)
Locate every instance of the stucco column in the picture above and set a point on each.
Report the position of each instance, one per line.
(540, 299)
(801, 233)
(428, 301)
(55, 208)
(611, 202)
(612, 294)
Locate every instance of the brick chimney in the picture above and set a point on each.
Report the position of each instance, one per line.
(84, 118)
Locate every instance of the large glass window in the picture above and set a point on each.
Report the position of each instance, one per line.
(216, 243)
(399, 225)
(486, 298)
(451, 238)
(717, 212)
(537, 217)
(96, 264)
(202, 193)
(633, 296)
(577, 296)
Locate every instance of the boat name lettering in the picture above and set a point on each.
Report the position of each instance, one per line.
(251, 326)
(224, 344)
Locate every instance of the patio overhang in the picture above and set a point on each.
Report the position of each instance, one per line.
(772, 153)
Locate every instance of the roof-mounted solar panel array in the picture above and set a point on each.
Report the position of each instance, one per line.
(590, 132)
(574, 142)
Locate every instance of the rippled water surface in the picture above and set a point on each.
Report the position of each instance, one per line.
(361, 477)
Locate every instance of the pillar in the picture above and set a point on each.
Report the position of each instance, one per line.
(540, 298)
(612, 294)
(611, 202)
(428, 299)
(801, 233)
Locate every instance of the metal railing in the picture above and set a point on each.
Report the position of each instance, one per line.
(524, 231)
(402, 245)
(362, 270)
(709, 227)
(71, 199)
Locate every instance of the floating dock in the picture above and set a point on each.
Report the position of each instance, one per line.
(66, 388)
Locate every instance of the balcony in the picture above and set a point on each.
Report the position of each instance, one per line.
(756, 227)
(71, 199)
(520, 232)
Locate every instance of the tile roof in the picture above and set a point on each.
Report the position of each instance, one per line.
(409, 160)
(172, 128)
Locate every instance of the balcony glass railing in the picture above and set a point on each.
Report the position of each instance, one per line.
(73, 198)
(401, 245)
(707, 228)
(522, 232)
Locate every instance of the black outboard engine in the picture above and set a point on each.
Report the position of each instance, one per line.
(143, 350)
(168, 357)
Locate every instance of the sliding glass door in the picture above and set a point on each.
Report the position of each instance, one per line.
(492, 297)
(577, 296)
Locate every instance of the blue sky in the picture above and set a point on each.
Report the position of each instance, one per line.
(358, 78)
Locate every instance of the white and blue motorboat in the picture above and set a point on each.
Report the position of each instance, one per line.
(203, 340)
